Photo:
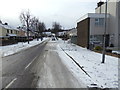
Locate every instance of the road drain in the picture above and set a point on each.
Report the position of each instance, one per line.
(46, 50)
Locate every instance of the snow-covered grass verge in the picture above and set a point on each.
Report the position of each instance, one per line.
(104, 75)
(117, 52)
(12, 49)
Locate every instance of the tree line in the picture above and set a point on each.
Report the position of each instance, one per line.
(33, 24)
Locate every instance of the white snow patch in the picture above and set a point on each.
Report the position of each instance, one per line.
(117, 52)
(11, 49)
(104, 75)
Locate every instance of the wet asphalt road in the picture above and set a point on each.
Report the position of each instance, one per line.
(17, 67)
(37, 67)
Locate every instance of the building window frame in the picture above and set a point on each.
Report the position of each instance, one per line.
(11, 31)
(7, 30)
(99, 21)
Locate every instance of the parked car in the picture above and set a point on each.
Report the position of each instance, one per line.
(30, 38)
(95, 42)
(53, 38)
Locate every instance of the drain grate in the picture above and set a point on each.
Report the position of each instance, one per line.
(46, 50)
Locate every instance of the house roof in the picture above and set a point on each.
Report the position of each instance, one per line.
(8, 27)
(1, 25)
(92, 15)
(11, 34)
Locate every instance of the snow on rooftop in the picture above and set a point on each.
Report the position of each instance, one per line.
(8, 27)
(0, 24)
(48, 33)
(92, 15)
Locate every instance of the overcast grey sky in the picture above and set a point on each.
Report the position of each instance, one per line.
(66, 12)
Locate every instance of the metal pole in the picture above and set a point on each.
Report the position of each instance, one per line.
(64, 37)
(104, 43)
(28, 32)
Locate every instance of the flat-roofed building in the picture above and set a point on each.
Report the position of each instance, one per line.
(91, 27)
(113, 9)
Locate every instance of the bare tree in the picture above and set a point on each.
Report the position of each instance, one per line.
(37, 27)
(41, 28)
(25, 18)
(34, 24)
(56, 27)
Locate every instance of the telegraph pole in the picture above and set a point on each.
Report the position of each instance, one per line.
(104, 42)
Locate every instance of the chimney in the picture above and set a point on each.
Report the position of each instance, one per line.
(6, 24)
(100, 3)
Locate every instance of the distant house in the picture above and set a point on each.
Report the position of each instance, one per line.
(22, 31)
(8, 34)
(6, 30)
(47, 33)
(72, 34)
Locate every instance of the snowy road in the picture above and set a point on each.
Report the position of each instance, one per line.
(40, 67)
(54, 73)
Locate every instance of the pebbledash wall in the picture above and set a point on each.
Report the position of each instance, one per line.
(113, 8)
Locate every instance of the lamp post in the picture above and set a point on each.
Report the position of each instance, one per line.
(104, 42)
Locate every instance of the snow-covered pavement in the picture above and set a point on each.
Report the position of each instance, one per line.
(103, 75)
(11, 49)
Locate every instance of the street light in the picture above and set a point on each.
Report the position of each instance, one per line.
(104, 42)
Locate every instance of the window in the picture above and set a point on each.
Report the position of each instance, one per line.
(11, 31)
(99, 22)
(7, 31)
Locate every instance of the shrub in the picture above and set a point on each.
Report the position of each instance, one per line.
(109, 50)
(99, 48)
(111, 45)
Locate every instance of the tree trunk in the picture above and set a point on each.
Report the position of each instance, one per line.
(28, 32)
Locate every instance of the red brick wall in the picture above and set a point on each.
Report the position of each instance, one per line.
(83, 33)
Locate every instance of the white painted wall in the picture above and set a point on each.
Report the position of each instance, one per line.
(118, 11)
(96, 30)
(113, 20)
